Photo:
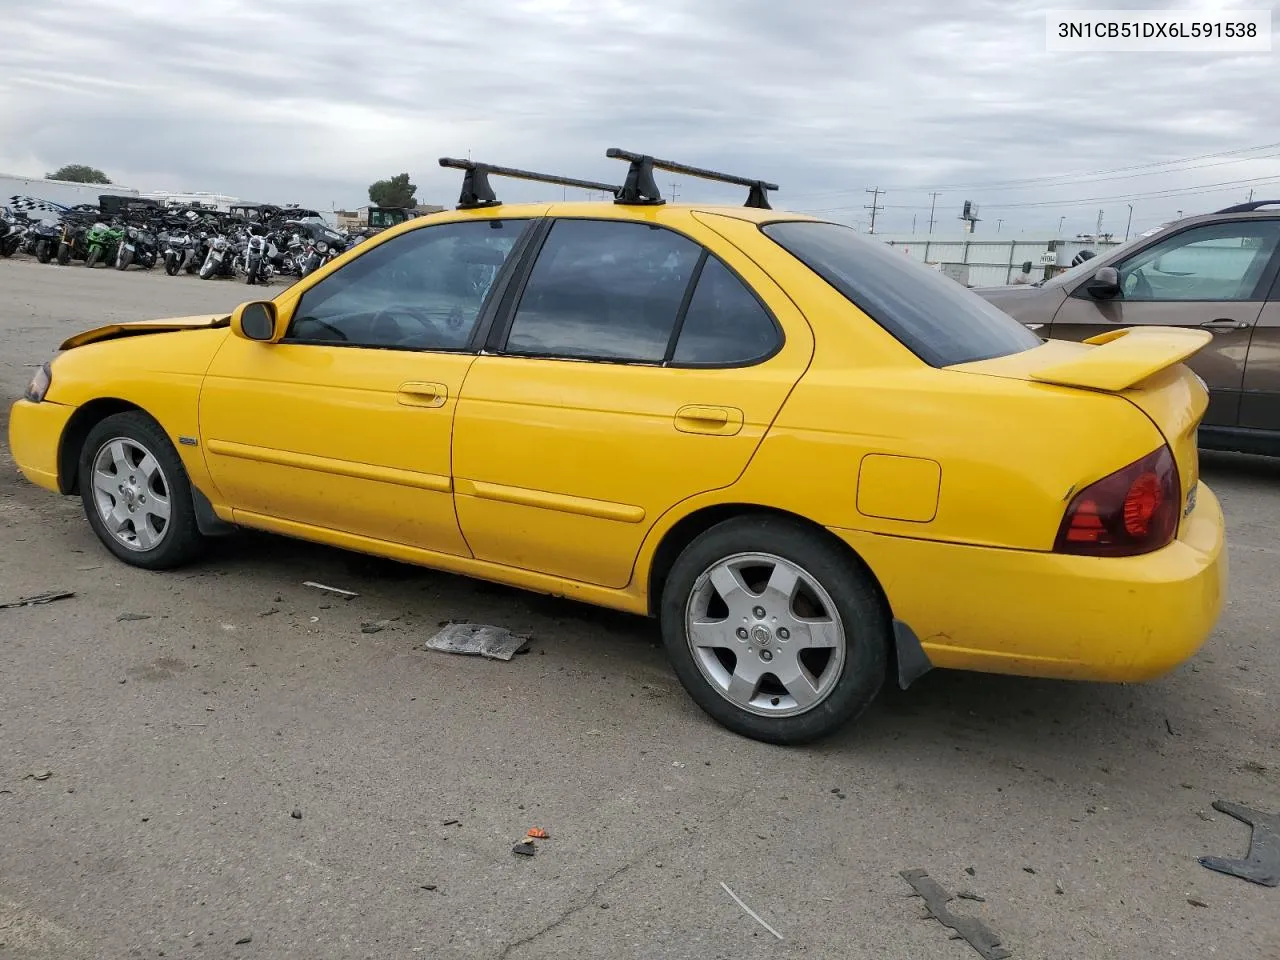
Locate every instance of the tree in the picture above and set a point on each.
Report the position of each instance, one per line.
(78, 173)
(396, 192)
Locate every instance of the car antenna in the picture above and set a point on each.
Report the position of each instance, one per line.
(640, 187)
(477, 192)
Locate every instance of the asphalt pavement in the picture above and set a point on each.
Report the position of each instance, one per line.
(239, 765)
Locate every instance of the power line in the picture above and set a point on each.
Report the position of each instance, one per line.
(1152, 195)
(1065, 179)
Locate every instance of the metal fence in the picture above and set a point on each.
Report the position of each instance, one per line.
(990, 262)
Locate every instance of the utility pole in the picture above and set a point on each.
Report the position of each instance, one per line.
(1097, 231)
(1250, 200)
(1130, 223)
(999, 223)
(1060, 221)
(674, 194)
(933, 202)
(874, 206)
(913, 224)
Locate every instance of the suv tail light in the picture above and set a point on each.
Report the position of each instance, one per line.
(1133, 511)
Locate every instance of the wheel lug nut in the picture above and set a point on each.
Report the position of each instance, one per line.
(759, 612)
(766, 655)
(784, 634)
(742, 633)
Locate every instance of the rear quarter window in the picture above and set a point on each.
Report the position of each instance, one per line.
(931, 315)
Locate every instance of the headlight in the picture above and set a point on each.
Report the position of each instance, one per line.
(39, 385)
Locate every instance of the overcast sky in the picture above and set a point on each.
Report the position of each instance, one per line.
(308, 101)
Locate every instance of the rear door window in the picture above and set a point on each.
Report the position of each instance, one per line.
(934, 317)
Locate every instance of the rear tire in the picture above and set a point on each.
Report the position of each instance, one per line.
(136, 493)
(774, 631)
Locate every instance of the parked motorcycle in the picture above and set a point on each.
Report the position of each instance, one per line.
(102, 241)
(42, 240)
(13, 233)
(138, 245)
(259, 253)
(73, 242)
(221, 259)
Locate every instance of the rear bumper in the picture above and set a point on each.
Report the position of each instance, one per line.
(1047, 615)
(35, 432)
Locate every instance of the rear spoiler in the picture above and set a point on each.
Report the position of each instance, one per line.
(1122, 358)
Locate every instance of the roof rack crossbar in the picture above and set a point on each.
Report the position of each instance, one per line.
(1249, 207)
(476, 191)
(641, 172)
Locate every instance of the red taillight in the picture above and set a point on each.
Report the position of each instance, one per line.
(1133, 511)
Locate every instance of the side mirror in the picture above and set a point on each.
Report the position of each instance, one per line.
(255, 320)
(1105, 284)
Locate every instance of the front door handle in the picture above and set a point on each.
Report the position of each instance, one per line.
(1225, 323)
(422, 394)
(719, 421)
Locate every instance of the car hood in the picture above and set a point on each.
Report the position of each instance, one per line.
(133, 328)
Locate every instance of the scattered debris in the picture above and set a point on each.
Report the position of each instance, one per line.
(1028, 869)
(269, 613)
(1254, 767)
(374, 626)
(751, 913)
(472, 639)
(1196, 902)
(1204, 816)
(38, 600)
(338, 590)
(429, 887)
(1058, 888)
(297, 814)
(967, 928)
(537, 833)
(243, 940)
(1168, 725)
(970, 871)
(40, 775)
(450, 823)
(969, 895)
(525, 848)
(1262, 865)
(126, 617)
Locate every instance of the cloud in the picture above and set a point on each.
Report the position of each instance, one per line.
(311, 101)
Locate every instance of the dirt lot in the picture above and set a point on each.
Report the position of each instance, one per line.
(181, 745)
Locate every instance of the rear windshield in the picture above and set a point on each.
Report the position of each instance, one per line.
(930, 314)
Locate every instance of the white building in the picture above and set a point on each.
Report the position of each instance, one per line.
(62, 192)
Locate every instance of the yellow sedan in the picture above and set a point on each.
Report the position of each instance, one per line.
(817, 463)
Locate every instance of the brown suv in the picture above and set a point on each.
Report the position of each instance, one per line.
(1218, 272)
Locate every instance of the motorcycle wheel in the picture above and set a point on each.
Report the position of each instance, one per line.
(64, 254)
(91, 260)
(206, 270)
(43, 253)
(6, 249)
(123, 259)
(171, 265)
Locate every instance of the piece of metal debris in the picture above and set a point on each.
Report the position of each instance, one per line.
(40, 775)
(749, 912)
(38, 600)
(128, 617)
(477, 639)
(1262, 865)
(969, 928)
(338, 590)
(1197, 902)
(524, 849)
(970, 895)
(243, 940)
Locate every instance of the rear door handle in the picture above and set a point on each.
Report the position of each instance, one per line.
(720, 421)
(422, 394)
(1225, 323)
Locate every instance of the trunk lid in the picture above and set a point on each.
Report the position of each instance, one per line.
(1144, 365)
(130, 328)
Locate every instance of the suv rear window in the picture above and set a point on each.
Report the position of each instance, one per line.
(931, 315)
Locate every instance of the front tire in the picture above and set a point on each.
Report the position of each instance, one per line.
(136, 493)
(43, 253)
(123, 258)
(64, 254)
(91, 260)
(171, 264)
(773, 630)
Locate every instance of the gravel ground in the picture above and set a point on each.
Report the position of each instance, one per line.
(246, 762)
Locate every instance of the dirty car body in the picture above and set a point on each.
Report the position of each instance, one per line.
(817, 463)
